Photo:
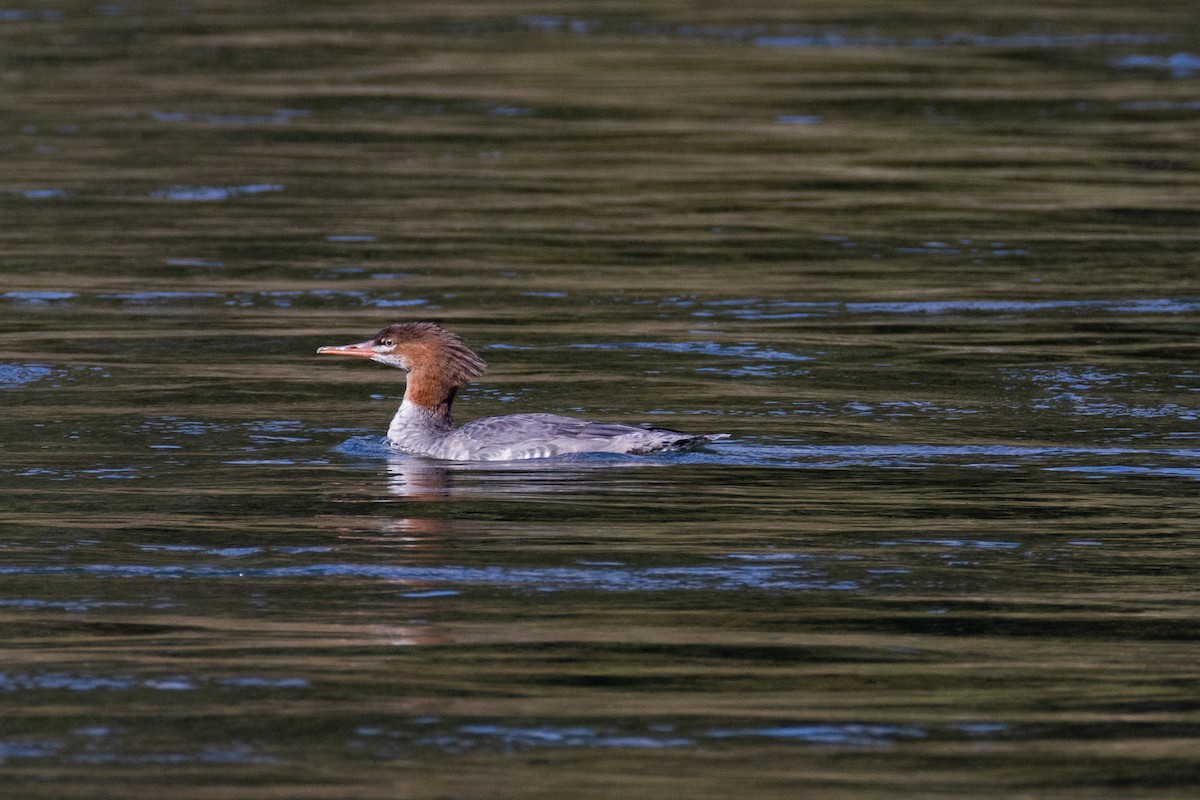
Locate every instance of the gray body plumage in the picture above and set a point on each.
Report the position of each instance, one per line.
(522, 436)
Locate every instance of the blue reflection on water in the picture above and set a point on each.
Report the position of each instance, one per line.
(814, 36)
(82, 682)
(575, 736)
(282, 116)
(1101, 471)
(44, 194)
(979, 728)
(24, 749)
(79, 606)
(1180, 65)
(649, 579)
(37, 298)
(974, 544)
(744, 350)
(754, 308)
(13, 375)
(490, 736)
(846, 734)
(212, 193)
(102, 745)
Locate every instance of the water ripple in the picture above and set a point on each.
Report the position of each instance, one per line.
(764, 309)
(746, 350)
(809, 36)
(181, 297)
(33, 298)
(652, 579)
(493, 736)
(84, 682)
(1180, 65)
(847, 734)
(913, 456)
(102, 745)
(209, 194)
(282, 116)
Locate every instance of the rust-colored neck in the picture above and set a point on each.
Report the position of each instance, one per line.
(432, 391)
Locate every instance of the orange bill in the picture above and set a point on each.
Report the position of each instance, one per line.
(361, 350)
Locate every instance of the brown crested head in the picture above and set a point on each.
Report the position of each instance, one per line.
(424, 347)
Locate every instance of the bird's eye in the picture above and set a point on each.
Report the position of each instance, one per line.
(386, 342)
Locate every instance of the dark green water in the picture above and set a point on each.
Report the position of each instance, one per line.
(934, 270)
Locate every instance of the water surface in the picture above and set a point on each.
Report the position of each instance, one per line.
(933, 270)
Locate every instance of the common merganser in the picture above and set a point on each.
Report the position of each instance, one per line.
(438, 362)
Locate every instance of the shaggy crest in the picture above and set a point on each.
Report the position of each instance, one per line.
(431, 344)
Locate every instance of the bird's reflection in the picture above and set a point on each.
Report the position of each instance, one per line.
(418, 479)
(422, 479)
(442, 485)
